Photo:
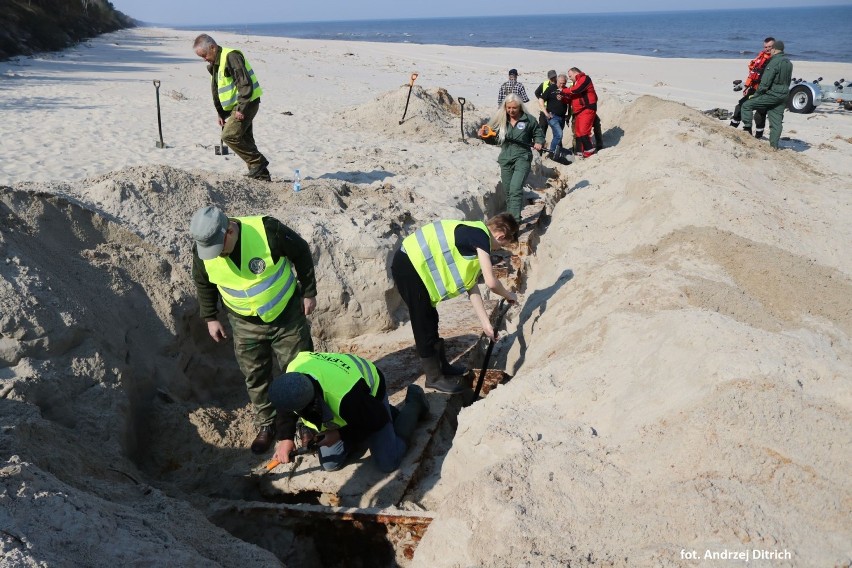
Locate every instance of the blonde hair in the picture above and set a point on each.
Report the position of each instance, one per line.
(498, 121)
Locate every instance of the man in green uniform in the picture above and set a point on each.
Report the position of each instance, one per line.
(252, 265)
(771, 94)
(236, 96)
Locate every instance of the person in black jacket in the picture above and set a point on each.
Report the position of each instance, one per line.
(343, 401)
(555, 111)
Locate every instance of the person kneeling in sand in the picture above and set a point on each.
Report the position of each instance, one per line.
(438, 262)
(343, 399)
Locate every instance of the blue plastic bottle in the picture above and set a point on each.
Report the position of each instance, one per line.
(297, 181)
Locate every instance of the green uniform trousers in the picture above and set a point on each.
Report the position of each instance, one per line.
(239, 135)
(254, 345)
(513, 174)
(774, 106)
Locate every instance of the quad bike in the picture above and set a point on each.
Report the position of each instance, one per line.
(806, 95)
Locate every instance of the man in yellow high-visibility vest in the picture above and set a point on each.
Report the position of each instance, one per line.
(263, 273)
(236, 96)
(342, 399)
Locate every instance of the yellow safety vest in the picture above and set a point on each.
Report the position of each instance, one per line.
(257, 287)
(336, 373)
(443, 269)
(227, 89)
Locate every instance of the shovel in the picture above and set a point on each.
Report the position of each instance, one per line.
(220, 148)
(410, 86)
(462, 100)
(159, 144)
(502, 308)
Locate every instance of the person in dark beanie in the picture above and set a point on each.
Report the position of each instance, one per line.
(771, 94)
(343, 400)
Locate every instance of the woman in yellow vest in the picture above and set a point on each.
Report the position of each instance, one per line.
(344, 399)
(441, 261)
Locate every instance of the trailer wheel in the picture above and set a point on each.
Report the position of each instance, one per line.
(847, 105)
(800, 100)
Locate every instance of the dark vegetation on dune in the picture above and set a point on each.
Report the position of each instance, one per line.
(30, 26)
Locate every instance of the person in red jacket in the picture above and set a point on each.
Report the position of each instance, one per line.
(584, 105)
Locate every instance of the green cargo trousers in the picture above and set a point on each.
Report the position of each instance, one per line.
(239, 136)
(513, 174)
(774, 106)
(254, 345)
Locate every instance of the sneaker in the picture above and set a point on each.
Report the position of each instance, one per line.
(758, 133)
(735, 123)
(589, 153)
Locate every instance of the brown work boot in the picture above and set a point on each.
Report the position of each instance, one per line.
(435, 378)
(257, 168)
(264, 440)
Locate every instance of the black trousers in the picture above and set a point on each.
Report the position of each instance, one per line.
(424, 316)
(542, 121)
(759, 114)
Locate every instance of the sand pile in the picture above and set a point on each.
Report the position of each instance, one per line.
(433, 115)
(685, 330)
(109, 376)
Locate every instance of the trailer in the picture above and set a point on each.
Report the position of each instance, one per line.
(805, 96)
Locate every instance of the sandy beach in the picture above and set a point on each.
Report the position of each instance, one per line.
(680, 360)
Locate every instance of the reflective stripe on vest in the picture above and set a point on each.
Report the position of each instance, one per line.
(337, 374)
(445, 272)
(227, 88)
(248, 294)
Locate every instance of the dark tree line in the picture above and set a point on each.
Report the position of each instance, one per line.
(31, 26)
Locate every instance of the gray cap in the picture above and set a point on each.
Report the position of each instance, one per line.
(291, 392)
(208, 227)
(551, 74)
(779, 45)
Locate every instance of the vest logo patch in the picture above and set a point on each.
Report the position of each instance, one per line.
(257, 265)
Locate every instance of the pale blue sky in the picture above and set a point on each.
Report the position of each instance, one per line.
(200, 12)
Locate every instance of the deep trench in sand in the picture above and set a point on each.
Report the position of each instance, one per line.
(186, 417)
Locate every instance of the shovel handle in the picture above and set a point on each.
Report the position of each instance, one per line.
(502, 308)
(156, 83)
(413, 78)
